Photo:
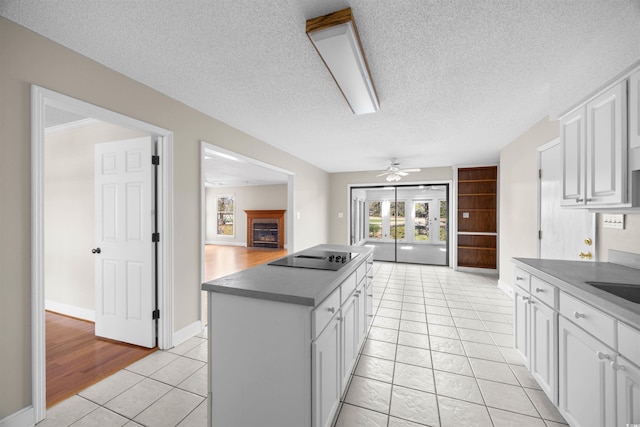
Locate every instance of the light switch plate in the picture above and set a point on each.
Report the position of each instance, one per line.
(613, 221)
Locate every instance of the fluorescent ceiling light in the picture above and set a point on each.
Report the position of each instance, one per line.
(336, 39)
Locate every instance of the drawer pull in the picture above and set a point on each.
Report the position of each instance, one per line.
(371, 315)
(578, 315)
(519, 278)
(602, 356)
(369, 277)
(538, 290)
(525, 298)
(358, 293)
(370, 295)
(617, 367)
(531, 301)
(331, 309)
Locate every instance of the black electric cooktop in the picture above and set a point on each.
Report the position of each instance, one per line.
(319, 260)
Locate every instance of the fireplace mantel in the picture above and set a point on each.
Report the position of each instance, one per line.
(276, 216)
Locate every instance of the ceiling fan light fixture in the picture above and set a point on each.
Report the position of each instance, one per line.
(336, 40)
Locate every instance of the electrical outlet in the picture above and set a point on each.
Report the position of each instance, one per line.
(613, 221)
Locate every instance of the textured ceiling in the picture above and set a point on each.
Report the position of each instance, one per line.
(457, 80)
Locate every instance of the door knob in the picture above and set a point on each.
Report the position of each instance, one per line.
(96, 251)
(587, 255)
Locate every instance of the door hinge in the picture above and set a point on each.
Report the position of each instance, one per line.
(540, 173)
(540, 234)
(155, 160)
(155, 237)
(155, 314)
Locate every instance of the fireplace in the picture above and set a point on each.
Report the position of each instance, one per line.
(265, 228)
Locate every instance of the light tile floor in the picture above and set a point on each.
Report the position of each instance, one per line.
(439, 353)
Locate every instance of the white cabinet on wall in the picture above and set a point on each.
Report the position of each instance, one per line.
(634, 111)
(594, 148)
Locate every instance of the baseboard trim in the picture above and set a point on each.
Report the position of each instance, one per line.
(225, 243)
(22, 418)
(70, 310)
(187, 332)
(506, 288)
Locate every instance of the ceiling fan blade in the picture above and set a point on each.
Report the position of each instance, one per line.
(402, 173)
(384, 173)
(410, 170)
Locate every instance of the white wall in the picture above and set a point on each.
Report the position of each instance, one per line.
(69, 212)
(263, 197)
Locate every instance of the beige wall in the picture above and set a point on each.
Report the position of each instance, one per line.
(339, 196)
(69, 214)
(263, 197)
(518, 195)
(518, 203)
(31, 59)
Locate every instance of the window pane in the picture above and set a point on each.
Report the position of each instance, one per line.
(397, 220)
(375, 220)
(225, 216)
(421, 228)
(443, 220)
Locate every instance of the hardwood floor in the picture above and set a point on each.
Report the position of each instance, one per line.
(76, 358)
(223, 260)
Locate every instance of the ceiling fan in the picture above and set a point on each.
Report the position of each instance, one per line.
(394, 173)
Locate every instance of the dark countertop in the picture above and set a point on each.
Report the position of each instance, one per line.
(571, 277)
(302, 286)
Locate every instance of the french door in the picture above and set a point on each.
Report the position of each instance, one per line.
(404, 223)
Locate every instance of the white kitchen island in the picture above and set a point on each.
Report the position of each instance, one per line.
(283, 341)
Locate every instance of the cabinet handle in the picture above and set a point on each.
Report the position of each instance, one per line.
(538, 290)
(531, 301)
(371, 315)
(358, 293)
(369, 277)
(579, 200)
(519, 278)
(339, 318)
(617, 367)
(602, 356)
(524, 298)
(331, 309)
(370, 295)
(578, 315)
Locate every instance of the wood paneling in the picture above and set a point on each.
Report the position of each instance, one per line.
(477, 213)
(77, 359)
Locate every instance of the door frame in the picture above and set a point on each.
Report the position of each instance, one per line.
(40, 98)
(289, 214)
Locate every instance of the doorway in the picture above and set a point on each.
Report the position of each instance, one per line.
(230, 185)
(565, 233)
(45, 105)
(405, 223)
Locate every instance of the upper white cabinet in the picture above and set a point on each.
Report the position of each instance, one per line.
(601, 149)
(594, 149)
(634, 111)
(573, 141)
(607, 147)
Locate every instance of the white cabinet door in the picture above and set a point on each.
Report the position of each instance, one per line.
(362, 315)
(572, 140)
(634, 110)
(543, 351)
(607, 147)
(586, 381)
(326, 353)
(368, 305)
(628, 380)
(521, 324)
(349, 337)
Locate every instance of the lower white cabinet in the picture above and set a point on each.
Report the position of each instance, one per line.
(543, 363)
(349, 337)
(536, 340)
(586, 379)
(327, 386)
(628, 385)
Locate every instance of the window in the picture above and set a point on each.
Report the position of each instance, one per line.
(225, 215)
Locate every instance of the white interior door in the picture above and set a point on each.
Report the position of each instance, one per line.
(125, 291)
(564, 230)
